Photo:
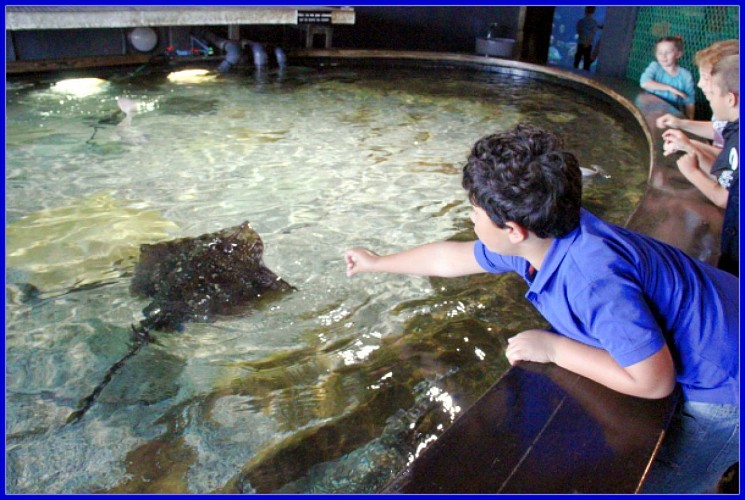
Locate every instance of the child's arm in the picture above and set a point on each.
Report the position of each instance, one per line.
(706, 154)
(717, 194)
(677, 141)
(690, 90)
(655, 85)
(652, 378)
(690, 111)
(703, 129)
(444, 258)
(647, 82)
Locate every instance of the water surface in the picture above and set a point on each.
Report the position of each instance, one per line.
(332, 388)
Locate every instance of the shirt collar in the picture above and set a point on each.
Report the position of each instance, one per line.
(731, 128)
(555, 255)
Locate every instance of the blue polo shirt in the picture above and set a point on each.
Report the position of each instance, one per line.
(627, 293)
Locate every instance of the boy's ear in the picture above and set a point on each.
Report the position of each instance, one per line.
(517, 233)
(733, 99)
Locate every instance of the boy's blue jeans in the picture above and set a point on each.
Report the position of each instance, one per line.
(703, 440)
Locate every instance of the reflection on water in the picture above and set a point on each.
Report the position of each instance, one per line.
(333, 388)
(81, 244)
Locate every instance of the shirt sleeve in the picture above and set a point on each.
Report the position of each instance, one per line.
(615, 312)
(689, 88)
(648, 73)
(493, 262)
(726, 157)
(735, 184)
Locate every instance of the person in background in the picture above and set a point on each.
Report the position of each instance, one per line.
(666, 79)
(586, 29)
(720, 181)
(627, 311)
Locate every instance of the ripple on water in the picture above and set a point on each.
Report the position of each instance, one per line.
(316, 164)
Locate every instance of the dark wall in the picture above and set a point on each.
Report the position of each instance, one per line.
(31, 45)
(442, 29)
(537, 34)
(10, 50)
(54, 44)
(439, 29)
(618, 35)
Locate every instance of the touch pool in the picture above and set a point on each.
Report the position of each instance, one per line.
(332, 388)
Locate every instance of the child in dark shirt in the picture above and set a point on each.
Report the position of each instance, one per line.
(720, 182)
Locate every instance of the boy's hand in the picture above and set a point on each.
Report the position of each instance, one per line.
(531, 345)
(679, 93)
(668, 121)
(359, 260)
(675, 141)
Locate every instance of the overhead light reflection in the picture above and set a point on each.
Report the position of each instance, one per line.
(80, 87)
(191, 76)
(448, 406)
(446, 400)
(420, 448)
(350, 356)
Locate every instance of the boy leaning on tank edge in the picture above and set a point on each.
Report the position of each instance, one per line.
(627, 311)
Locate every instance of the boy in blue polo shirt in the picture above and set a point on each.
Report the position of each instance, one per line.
(632, 313)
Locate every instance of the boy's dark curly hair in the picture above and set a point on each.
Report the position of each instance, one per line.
(523, 176)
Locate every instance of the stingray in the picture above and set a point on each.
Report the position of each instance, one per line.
(122, 125)
(195, 279)
(592, 171)
(124, 129)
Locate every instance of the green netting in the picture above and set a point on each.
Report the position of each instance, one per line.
(699, 27)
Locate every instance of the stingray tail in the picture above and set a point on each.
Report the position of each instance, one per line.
(140, 337)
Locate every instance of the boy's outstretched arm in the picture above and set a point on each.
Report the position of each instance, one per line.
(651, 378)
(701, 128)
(445, 258)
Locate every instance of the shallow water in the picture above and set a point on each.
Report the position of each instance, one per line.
(332, 388)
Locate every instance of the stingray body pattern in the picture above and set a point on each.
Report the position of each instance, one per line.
(195, 279)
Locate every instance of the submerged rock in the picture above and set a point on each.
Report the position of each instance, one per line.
(190, 106)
